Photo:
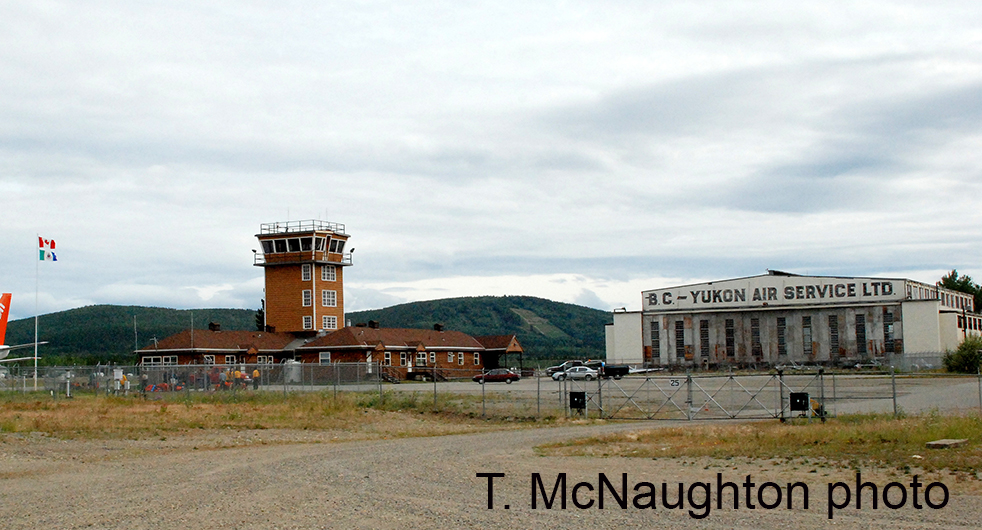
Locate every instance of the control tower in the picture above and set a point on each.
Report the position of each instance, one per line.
(304, 263)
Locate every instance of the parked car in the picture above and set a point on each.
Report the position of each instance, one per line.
(577, 372)
(497, 375)
(552, 370)
(869, 364)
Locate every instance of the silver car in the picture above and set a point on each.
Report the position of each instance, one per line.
(576, 372)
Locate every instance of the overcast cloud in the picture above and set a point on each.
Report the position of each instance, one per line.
(579, 151)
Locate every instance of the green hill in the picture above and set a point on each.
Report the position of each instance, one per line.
(104, 333)
(546, 329)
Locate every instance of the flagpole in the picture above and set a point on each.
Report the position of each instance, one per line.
(37, 274)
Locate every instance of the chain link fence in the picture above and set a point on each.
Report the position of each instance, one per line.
(815, 394)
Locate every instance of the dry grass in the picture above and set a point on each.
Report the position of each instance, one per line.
(87, 417)
(859, 441)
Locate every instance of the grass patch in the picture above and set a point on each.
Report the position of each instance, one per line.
(854, 441)
(88, 416)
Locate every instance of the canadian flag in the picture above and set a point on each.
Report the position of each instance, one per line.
(46, 249)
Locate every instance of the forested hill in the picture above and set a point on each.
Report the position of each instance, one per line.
(546, 329)
(105, 333)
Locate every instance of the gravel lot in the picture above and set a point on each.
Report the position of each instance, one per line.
(289, 479)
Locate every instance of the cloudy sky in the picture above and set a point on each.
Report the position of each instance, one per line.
(578, 151)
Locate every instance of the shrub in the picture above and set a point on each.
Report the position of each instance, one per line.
(966, 358)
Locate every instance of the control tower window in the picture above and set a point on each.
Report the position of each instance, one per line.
(306, 244)
(294, 244)
(319, 244)
(337, 246)
(280, 245)
(267, 247)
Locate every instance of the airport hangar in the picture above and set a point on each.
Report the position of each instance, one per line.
(781, 318)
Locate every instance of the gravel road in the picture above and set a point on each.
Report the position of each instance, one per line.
(274, 480)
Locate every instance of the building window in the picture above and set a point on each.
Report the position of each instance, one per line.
(402, 358)
(704, 338)
(307, 298)
(460, 358)
(679, 339)
(329, 322)
(388, 359)
(833, 335)
(325, 357)
(305, 272)
(730, 339)
(477, 358)
(861, 334)
(328, 274)
(655, 340)
(337, 246)
(229, 359)
(433, 357)
(209, 359)
(421, 358)
(308, 322)
(450, 357)
(755, 348)
(806, 335)
(264, 359)
(887, 331)
(782, 328)
(329, 298)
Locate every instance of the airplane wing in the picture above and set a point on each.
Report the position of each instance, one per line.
(17, 359)
(22, 346)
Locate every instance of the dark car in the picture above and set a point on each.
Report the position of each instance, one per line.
(497, 375)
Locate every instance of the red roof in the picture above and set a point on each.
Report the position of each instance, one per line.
(496, 342)
(222, 340)
(395, 338)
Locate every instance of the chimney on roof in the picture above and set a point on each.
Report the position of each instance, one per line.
(214, 326)
(438, 327)
(361, 325)
(373, 324)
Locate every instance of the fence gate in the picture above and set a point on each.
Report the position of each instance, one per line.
(688, 397)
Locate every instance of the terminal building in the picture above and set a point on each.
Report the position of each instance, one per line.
(303, 264)
(783, 319)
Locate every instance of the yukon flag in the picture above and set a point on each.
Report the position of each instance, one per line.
(46, 249)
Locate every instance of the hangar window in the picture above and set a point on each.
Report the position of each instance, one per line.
(730, 339)
(782, 328)
(655, 340)
(861, 334)
(806, 335)
(755, 347)
(704, 338)
(679, 339)
(833, 335)
(887, 331)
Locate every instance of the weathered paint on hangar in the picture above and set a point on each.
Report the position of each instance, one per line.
(774, 291)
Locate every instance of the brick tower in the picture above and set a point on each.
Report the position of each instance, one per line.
(304, 263)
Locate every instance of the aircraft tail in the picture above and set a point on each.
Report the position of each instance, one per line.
(4, 311)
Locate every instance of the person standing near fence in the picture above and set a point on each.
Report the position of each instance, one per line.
(222, 377)
(255, 378)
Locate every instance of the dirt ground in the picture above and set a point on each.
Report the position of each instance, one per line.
(302, 479)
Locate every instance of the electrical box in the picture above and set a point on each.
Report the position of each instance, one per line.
(577, 400)
(799, 401)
